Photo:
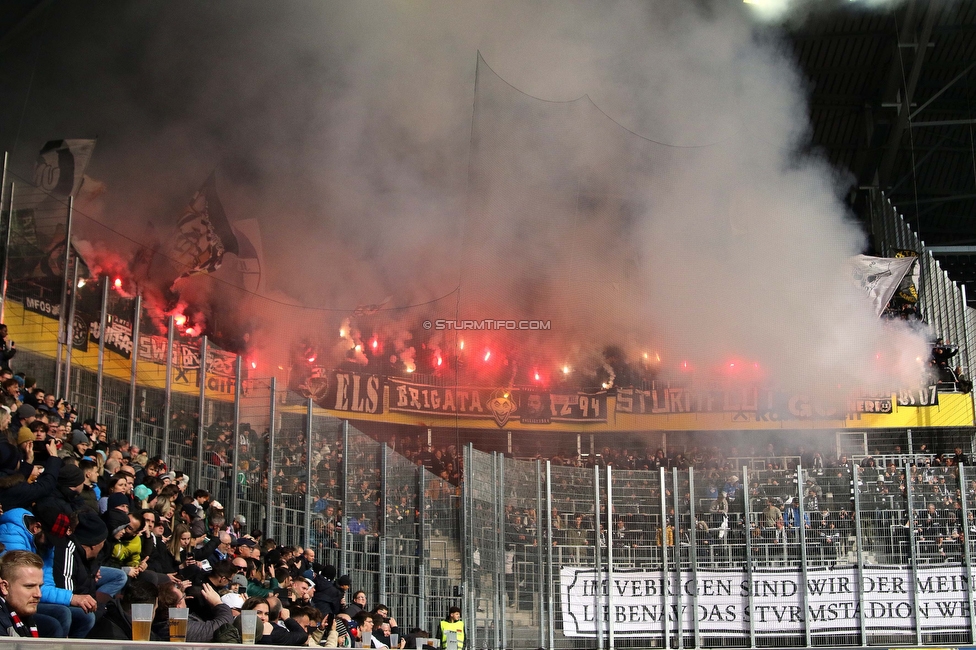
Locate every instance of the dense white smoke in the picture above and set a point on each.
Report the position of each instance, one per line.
(347, 130)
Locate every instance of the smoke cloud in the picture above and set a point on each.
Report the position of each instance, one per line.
(628, 171)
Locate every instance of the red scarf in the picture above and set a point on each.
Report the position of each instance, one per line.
(20, 627)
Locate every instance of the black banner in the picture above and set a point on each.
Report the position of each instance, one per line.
(502, 404)
(344, 391)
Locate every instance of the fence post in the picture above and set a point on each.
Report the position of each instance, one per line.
(747, 524)
(69, 337)
(238, 391)
(859, 540)
(913, 547)
(422, 544)
(540, 540)
(679, 596)
(100, 378)
(344, 546)
(201, 431)
(666, 632)
(168, 400)
(308, 473)
(803, 554)
(550, 583)
(609, 524)
(64, 293)
(6, 251)
(967, 548)
(269, 503)
(134, 366)
(693, 536)
(381, 519)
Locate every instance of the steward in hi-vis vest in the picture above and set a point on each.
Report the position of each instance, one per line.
(452, 623)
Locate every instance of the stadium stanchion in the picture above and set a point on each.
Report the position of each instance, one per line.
(201, 409)
(64, 295)
(69, 337)
(540, 540)
(134, 365)
(499, 555)
(235, 487)
(913, 548)
(551, 581)
(609, 529)
(168, 400)
(100, 377)
(859, 540)
(597, 557)
(381, 520)
(967, 548)
(309, 414)
(693, 555)
(666, 631)
(804, 595)
(747, 524)
(679, 596)
(344, 483)
(269, 503)
(6, 244)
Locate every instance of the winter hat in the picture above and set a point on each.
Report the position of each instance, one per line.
(117, 499)
(90, 530)
(143, 492)
(24, 435)
(79, 438)
(71, 476)
(116, 521)
(26, 411)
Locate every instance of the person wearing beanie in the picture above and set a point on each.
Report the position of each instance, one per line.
(23, 416)
(81, 444)
(118, 502)
(74, 564)
(126, 553)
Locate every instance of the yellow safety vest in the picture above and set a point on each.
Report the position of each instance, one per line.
(448, 626)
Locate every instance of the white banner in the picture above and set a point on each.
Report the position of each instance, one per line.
(636, 604)
(879, 277)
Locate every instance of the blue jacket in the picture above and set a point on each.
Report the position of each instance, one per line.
(15, 537)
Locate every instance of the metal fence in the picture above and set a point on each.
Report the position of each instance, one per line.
(942, 301)
(852, 555)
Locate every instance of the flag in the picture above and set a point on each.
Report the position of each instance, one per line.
(60, 167)
(39, 211)
(203, 233)
(879, 277)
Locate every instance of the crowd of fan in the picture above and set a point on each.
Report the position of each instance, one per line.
(824, 506)
(90, 527)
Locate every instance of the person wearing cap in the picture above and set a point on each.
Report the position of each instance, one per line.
(247, 548)
(238, 526)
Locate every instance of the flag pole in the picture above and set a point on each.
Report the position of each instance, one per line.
(64, 294)
(6, 247)
(69, 339)
(6, 251)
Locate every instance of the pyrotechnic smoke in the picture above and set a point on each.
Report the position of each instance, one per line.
(671, 211)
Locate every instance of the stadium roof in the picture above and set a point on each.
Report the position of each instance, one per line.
(893, 100)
